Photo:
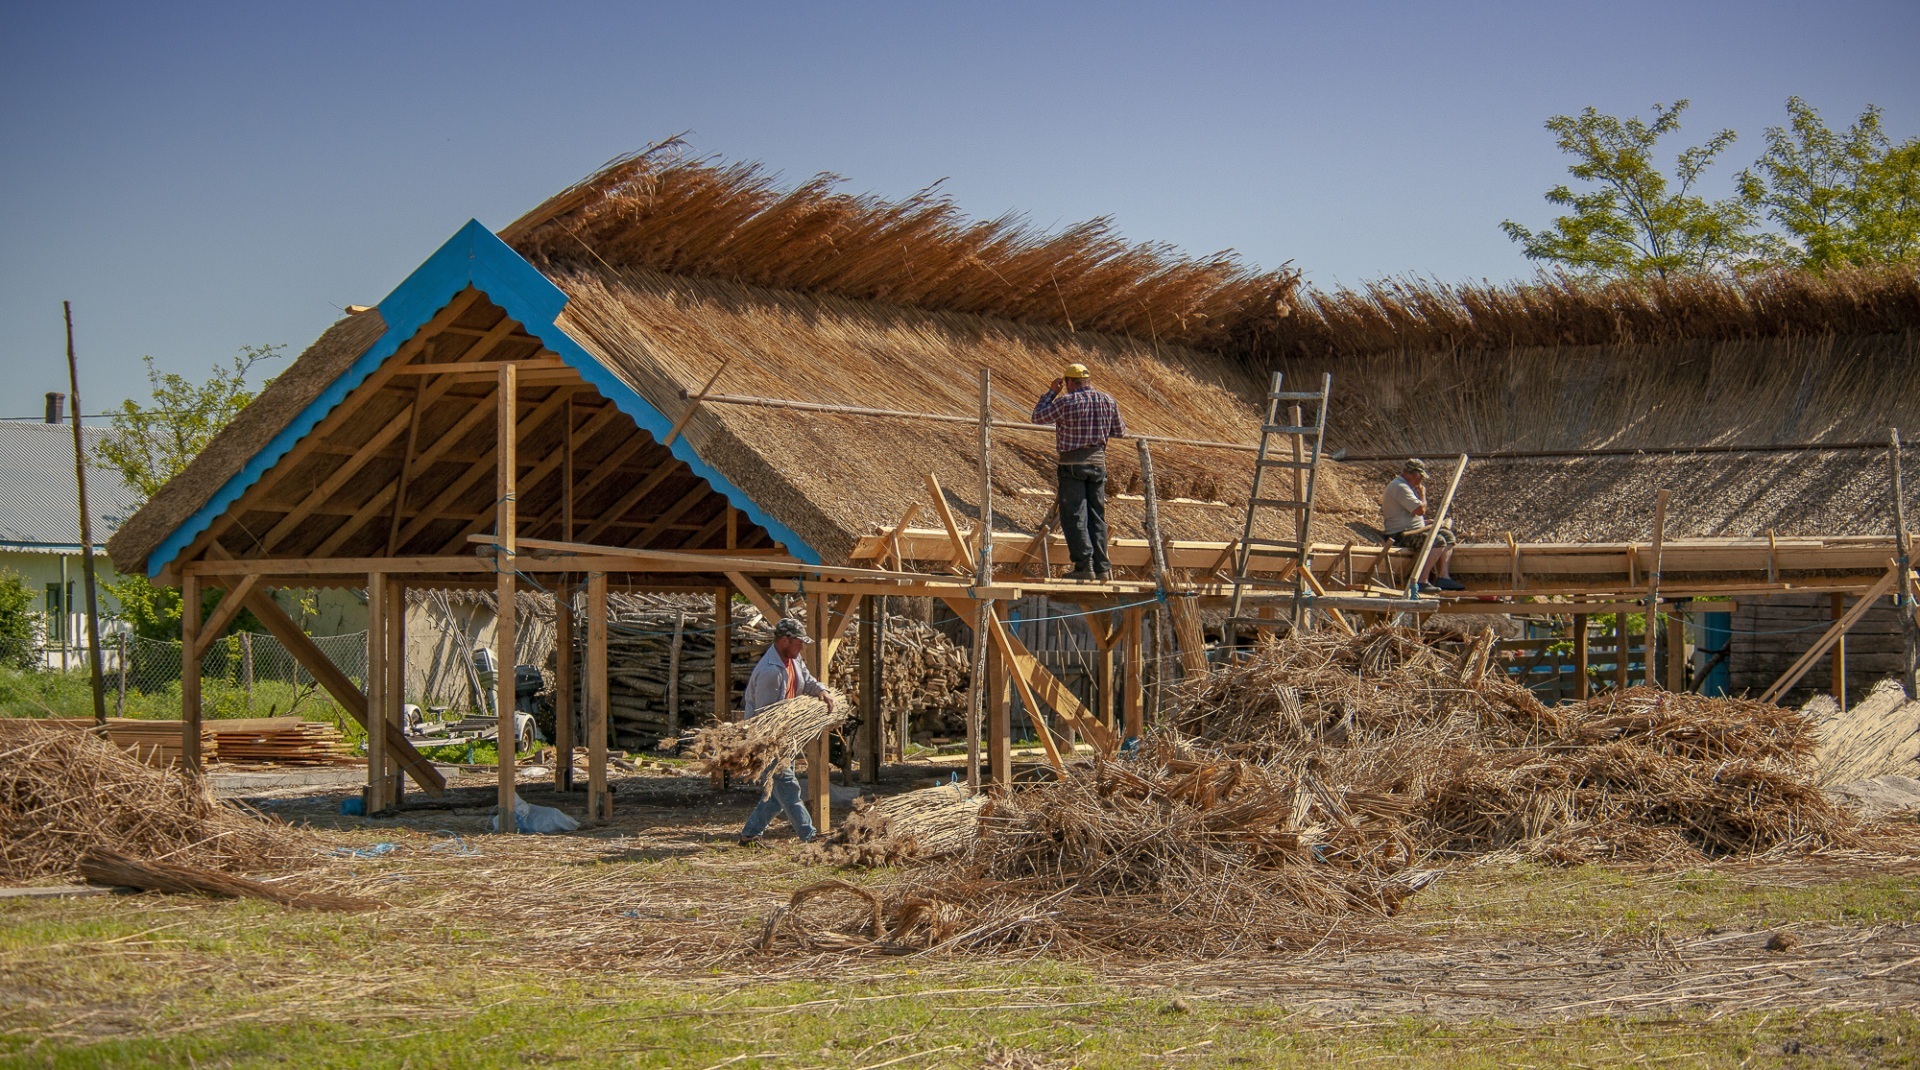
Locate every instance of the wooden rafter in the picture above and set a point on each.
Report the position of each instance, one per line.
(605, 469)
(611, 516)
(467, 480)
(223, 614)
(693, 497)
(547, 466)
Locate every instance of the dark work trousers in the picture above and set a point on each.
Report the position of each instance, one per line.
(1083, 514)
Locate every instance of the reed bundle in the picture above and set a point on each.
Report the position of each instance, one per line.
(103, 865)
(1182, 849)
(63, 792)
(660, 210)
(929, 823)
(771, 738)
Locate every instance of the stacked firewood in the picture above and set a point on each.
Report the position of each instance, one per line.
(924, 673)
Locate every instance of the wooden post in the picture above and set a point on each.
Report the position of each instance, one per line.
(1000, 720)
(1620, 642)
(1838, 609)
(722, 663)
(673, 672)
(1580, 665)
(120, 707)
(563, 683)
(506, 539)
(599, 803)
(376, 790)
(396, 684)
(1677, 649)
(868, 740)
(86, 539)
(189, 671)
(1103, 675)
(1653, 587)
(246, 668)
(1134, 713)
(1903, 597)
(819, 794)
(983, 577)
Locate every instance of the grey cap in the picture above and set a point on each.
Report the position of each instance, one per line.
(788, 628)
(1414, 464)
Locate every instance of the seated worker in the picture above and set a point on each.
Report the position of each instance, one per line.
(1403, 515)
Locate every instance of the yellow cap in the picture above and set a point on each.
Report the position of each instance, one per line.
(1078, 371)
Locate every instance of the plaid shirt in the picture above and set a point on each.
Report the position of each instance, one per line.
(1080, 418)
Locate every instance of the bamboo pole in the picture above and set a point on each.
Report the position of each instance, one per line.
(599, 803)
(1653, 588)
(506, 535)
(86, 537)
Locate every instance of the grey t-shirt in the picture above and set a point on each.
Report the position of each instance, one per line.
(1397, 507)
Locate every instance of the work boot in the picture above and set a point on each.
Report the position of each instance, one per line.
(1104, 575)
(1081, 573)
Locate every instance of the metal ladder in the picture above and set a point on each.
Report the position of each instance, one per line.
(1295, 446)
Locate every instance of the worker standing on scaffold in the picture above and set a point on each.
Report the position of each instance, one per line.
(1083, 420)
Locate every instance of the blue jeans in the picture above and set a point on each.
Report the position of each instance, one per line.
(786, 796)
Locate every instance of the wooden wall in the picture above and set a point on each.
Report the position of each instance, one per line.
(1770, 633)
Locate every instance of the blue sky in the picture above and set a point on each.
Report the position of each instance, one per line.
(196, 177)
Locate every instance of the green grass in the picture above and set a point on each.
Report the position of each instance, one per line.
(70, 694)
(1594, 901)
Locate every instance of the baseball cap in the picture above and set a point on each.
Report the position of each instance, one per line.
(1414, 464)
(788, 628)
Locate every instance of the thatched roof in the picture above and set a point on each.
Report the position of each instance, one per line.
(642, 281)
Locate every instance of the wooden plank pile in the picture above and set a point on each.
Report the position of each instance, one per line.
(924, 672)
(263, 740)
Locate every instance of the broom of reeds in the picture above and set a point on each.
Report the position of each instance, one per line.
(102, 865)
(778, 734)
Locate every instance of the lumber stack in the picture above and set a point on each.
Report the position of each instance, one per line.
(923, 671)
(265, 740)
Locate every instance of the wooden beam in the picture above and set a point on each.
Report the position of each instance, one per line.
(611, 515)
(465, 368)
(342, 688)
(190, 640)
(755, 594)
(375, 795)
(563, 683)
(819, 795)
(607, 468)
(1035, 711)
(1000, 722)
(1837, 608)
(599, 802)
(468, 479)
(1832, 635)
(674, 512)
(406, 469)
(892, 550)
(1133, 693)
(959, 552)
(506, 531)
(546, 466)
(1044, 685)
(230, 606)
(336, 566)
(1652, 612)
(1582, 679)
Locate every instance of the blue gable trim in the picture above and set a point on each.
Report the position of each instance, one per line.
(473, 256)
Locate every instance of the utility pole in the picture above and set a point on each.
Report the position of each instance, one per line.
(86, 530)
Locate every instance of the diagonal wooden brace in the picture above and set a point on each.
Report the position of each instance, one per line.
(1832, 635)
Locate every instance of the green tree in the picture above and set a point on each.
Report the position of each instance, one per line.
(20, 622)
(1632, 220)
(153, 442)
(1843, 197)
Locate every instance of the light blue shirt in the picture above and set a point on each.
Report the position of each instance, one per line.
(768, 684)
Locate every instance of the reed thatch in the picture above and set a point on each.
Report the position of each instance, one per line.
(663, 210)
(1419, 315)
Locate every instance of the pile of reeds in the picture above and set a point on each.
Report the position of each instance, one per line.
(1640, 774)
(1325, 688)
(63, 792)
(1178, 849)
(924, 824)
(776, 735)
(661, 210)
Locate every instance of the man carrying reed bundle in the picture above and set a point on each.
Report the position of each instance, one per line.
(780, 675)
(1403, 515)
(1083, 420)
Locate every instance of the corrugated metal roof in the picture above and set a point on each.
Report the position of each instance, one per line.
(39, 503)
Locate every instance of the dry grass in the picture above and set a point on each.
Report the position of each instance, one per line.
(662, 210)
(929, 823)
(63, 792)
